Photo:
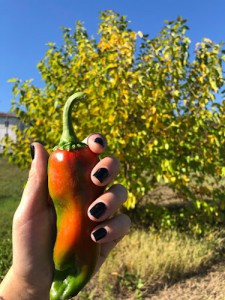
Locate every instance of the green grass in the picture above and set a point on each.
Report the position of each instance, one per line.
(12, 180)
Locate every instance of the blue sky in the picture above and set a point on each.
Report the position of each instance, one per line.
(27, 25)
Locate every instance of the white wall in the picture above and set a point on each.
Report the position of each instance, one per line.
(12, 121)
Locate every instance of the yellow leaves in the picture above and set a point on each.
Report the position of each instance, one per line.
(61, 88)
(112, 66)
(223, 171)
(26, 141)
(152, 110)
(185, 179)
(131, 201)
(203, 68)
(125, 97)
(140, 34)
(200, 79)
(213, 85)
(39, 122)
(124, 114)
(207, 40)
(103, 46)
(119, 43)
(167, 55)
(176, 93)
(173, 179)
(111, 119)
(212, 139)
(156, 93)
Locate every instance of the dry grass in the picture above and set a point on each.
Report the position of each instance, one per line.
(209, 286)
(145, 262)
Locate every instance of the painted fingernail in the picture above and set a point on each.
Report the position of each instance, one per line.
(99, 234)
(101, 174)
(98, 210)
(40, 142)
(99, 141)
(32, 151)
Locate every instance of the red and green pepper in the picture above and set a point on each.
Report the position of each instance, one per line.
(72, 191)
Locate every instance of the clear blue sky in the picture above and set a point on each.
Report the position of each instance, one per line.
(27, 25)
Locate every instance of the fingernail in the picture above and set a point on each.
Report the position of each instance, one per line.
(40, 142)
(101, 174)
(99, 141)
(98, 210)
(32, 151)
(99, 234)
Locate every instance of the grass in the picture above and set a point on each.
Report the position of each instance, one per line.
(12, 181)
(144, 262)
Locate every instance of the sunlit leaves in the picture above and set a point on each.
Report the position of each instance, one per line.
(153, 99)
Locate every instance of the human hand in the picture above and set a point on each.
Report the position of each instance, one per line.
(34, 225)
(110, 230)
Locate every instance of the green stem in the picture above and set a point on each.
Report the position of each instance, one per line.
(69, 140)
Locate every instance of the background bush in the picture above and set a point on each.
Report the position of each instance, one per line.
(159, 105)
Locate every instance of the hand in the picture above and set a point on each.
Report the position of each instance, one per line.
(34, 225)
(110, 229)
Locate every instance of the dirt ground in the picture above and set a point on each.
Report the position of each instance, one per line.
(210, 286)
(207, 286)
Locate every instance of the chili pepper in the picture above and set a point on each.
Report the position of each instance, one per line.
(72, 191)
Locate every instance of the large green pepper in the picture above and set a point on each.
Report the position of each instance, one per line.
(72, 191)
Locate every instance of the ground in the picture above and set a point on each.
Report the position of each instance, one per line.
(207, 286)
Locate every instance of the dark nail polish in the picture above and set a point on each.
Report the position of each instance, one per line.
(40, 142)
(99, 234)
(32, 151)
(101, 174)
(98, 210)
(99, 141)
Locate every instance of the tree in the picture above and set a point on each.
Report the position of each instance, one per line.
(154, 101)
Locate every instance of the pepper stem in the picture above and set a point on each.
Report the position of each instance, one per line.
(69, 140)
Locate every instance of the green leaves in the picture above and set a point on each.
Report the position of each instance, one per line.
(157, 107)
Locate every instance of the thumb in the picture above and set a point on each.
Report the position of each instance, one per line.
(35, 195)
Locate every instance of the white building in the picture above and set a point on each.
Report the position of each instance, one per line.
(7, 122)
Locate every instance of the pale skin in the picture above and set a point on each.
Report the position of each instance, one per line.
(31, 273)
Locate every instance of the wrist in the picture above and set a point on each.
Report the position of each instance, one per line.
(13, 287)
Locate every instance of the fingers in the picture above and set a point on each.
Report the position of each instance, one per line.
(96, 142)
(108, 203)
(36, 191)
(108, 234)
(111, 230)
(105, 171)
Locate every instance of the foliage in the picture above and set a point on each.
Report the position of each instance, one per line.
(156, 102)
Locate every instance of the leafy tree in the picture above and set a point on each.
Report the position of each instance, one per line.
(154, 101)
